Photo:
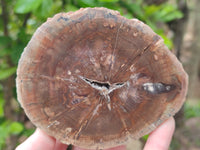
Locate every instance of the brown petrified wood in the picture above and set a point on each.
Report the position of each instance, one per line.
(95, 79)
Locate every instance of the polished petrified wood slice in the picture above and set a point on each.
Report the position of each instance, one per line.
(95, 79)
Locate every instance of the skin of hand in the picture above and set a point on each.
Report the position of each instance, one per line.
(159, 139)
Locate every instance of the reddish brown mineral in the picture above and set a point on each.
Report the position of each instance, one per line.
(95, 79)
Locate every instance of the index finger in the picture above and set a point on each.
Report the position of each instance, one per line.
(160, 138)
(39, 140)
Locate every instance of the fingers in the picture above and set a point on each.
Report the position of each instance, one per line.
(38, 141)
(123, 147)
(41, 141)
(160, 139)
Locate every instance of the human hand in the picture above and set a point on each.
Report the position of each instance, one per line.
(159, 139)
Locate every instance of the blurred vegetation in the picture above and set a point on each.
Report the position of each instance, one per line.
(20, 18)
(192, 110)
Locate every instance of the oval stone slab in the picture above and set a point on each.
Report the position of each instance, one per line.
(95, 79)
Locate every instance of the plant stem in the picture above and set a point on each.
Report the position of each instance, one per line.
(4, 17)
